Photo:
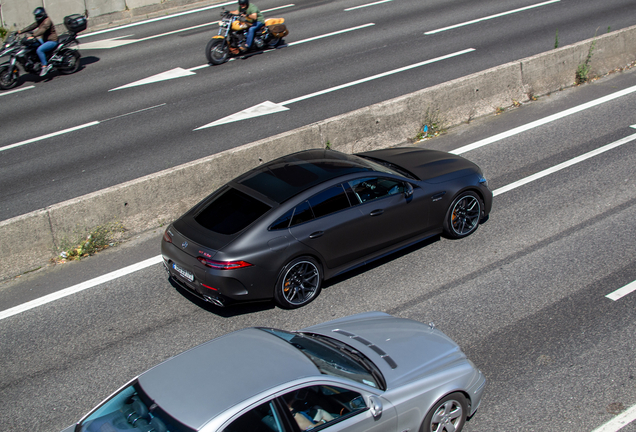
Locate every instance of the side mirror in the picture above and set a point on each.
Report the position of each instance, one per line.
(375, 406)
(408, 190)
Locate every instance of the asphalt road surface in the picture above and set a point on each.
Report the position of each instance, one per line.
(525, 296)
(120, 118)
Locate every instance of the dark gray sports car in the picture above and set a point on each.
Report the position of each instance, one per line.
(367, 372)
(279, 230)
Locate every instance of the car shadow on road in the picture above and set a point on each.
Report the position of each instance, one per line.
(236, 309)
(230, 310)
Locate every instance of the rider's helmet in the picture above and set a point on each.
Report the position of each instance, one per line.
(40, 14)
(243, 3)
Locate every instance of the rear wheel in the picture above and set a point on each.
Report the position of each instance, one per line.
(217, 51)
(463, 215)
(273, 42)
(70, 62)
(299, 283)
(448, 415)
(8, 80)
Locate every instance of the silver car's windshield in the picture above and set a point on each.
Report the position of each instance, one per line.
(130, 409)
(333, 357)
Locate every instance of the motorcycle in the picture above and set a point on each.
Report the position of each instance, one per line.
(233, 33)
(64, 58)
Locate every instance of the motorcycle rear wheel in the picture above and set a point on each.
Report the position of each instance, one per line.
(70, 62)
(273, 42)
(7, 79)
(217, 51)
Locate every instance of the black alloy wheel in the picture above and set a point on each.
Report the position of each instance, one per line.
(463, 215)
(299, 283)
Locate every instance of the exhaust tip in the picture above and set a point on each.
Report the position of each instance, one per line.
(214, 300)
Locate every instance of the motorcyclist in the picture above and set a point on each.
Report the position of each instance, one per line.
(253, 16)
(45, 34)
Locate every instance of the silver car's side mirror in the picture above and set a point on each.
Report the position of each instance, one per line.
(408, 190)
(375, 406)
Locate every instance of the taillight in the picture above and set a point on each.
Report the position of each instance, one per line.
(166, 236)
(223, 265)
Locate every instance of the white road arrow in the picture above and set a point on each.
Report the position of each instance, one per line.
(109, 43)
(171, 74)
(270, 107)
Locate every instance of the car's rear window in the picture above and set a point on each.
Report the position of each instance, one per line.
(230, 212)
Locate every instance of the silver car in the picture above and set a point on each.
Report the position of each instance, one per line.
(366, 372)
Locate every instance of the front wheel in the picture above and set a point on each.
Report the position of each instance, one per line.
(299, 283)
(463, 216)
(70, 62)
(448, 415)
(217, 51)
(8, 80)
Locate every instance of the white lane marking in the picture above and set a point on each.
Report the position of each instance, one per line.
(54, 134)
(367, 5)
(491, 17)
(330, 34)
(16, 91)
(618, 422)
(117, 42)
(154, 20)
(622, 292)
(79, 287)
(65, 131)
(564, 165)
(271, 107)
(543, 121)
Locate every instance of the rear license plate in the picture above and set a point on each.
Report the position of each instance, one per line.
(183, 272)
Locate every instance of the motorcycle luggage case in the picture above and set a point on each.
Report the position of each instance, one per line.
(75, 23)
(278, 30)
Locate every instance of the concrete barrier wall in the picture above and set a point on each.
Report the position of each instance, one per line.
(17, 14)
(29, 241)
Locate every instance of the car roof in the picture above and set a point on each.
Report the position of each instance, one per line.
(290, 175)
(203, 382)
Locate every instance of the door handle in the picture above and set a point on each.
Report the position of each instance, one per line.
(316, 234)
(377, 212)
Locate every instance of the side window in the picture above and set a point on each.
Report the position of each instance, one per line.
(263, 418)
(302, 213)
(283, 221)
(368, 189)
(329, 201)
(315, 406)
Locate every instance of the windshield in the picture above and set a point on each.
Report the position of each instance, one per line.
(130, 409)
(333, 357)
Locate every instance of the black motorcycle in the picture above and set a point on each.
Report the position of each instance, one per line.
(233, 34)
(21, 49)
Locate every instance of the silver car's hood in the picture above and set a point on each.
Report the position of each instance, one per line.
(403, 349)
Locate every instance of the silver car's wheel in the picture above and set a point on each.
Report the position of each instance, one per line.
(448, 415)
(463, 215)
(300, 282)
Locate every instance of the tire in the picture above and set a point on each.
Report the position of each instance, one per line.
(273, 42)
(70, 62)
(8, 80)
(448, 414)
(217, 51)
(463, 216)
(299, 283)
